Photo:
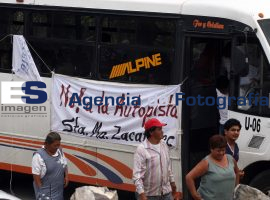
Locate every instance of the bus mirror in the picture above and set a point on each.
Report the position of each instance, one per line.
(240, 61)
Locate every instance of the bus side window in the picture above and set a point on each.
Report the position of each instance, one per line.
(266, 85)
(256, 83)
(17, 26)
(249, 77)
(72, 53)
(40, 25)
(160, 33)
(5, 22)
(118, 30)
(133, 50)
(12, 22)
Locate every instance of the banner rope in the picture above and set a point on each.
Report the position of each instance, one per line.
(5, 37)
(47, 66)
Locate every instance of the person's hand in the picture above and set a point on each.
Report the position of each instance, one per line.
(142, 197)
(173, 186)
(197, 196)
(176, 197)
(66, 181)
(174, 193)
(241, 173)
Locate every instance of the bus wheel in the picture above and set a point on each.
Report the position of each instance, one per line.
(261, 182)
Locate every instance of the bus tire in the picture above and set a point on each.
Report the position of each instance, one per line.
(261, 182)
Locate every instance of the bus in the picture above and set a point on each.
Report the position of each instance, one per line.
(198, 41)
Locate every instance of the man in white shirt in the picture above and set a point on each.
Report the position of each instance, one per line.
(222, 85)
(152, 173)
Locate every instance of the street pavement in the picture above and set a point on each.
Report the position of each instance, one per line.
(22, 187)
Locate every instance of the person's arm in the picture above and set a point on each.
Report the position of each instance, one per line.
(174, 191)
(37, 169)
(37, 180)
(171, 178)
(66, 181)
(199, 170)
(173, 186)
(66, 178)
(236, 171)
(142, 196)
(139, 170)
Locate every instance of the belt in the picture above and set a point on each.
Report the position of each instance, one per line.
(164, 194)
(161, 195)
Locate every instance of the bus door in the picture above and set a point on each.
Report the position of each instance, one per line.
(203, 65)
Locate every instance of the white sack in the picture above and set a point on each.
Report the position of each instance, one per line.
(245, 192)
(94, 193)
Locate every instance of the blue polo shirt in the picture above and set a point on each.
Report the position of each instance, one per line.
(234, 154)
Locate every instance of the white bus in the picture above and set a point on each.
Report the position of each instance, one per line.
(198, 40)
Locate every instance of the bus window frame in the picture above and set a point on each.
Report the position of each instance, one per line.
(235, 80)
(98, 14)
(139, 47)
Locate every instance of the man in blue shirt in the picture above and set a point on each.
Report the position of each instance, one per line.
(232, 129)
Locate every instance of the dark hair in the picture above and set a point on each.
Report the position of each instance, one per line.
(217, 141)
(148, 132)
(230, 123)
(51, 137)
(222, 83)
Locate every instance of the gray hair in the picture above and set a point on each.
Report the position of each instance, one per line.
(51, 137)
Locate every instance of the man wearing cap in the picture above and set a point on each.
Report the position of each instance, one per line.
(152, 172)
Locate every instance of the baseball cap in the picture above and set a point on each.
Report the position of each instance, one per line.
(153, 122)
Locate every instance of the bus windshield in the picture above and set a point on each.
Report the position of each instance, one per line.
(265, 25)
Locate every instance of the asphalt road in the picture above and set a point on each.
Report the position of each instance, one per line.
(22, 187)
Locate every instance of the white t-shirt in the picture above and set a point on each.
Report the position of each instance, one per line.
(156, 147)
(38, 164)
(223, 112)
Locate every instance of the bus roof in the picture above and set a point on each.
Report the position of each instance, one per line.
(239, 10)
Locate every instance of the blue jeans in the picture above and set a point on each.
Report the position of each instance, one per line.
(163, 197)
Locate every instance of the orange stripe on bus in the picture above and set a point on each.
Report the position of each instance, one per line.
(22, 140)
(16, 168)
(122, 168)
(96, 181)
(86, 169)
(17, 143)
(72, 177)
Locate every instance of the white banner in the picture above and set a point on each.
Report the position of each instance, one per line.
(23, 64)
(112, 123)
